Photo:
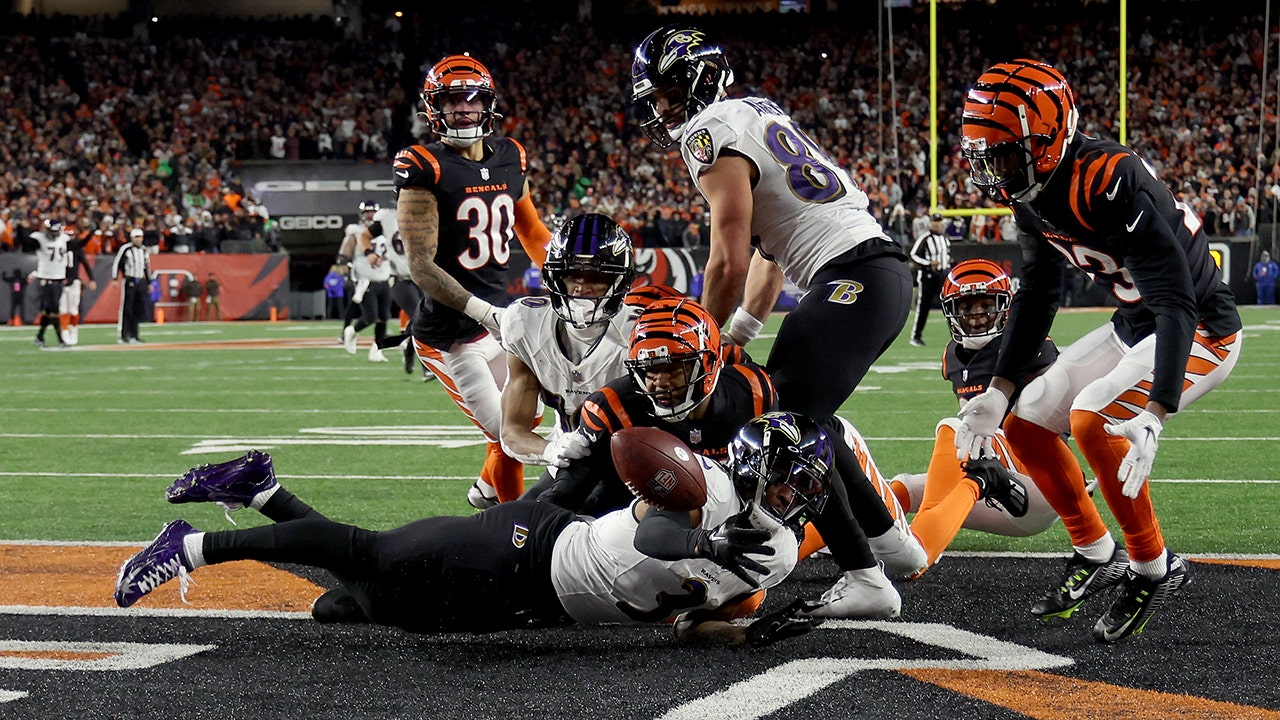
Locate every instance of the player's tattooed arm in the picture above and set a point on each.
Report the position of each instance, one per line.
(419, 218)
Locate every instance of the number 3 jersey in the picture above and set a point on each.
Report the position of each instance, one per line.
(600, 577)
(807, 210)
(476, 202)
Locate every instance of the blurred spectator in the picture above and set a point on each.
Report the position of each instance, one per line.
(1265, 272)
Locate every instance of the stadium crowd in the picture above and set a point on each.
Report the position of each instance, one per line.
(112, 125)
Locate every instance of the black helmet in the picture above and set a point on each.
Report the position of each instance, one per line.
(680, 64)
(590, 243)
(785, 449)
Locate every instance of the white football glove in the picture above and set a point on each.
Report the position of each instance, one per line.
(487, 314)
(565, 448)
(980, 417)
(1143, 433)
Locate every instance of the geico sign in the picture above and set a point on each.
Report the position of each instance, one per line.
(280, 186)
(311, 222)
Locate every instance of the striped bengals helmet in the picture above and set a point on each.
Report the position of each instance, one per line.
(970, 280)
(1019, 118)
(465, 76)
(668, 333)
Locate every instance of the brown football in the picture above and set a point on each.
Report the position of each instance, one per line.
(659, 468)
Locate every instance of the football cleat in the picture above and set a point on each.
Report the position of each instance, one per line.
(232, 484)
(40, 343)
(349, 340)
(410, 355)
(1139, 599)
(859, 594)
(1083, 579)
(155, 565)
(337, 606)
(375, 355)
(917, 342)
(482, 496)
(997, 484)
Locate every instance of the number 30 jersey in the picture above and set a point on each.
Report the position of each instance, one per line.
(476, 201)
(600, 577)
(807, 210)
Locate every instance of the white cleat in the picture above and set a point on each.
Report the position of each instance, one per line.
(860, 594)
(375, 354)
(901, 553)
(349, 340)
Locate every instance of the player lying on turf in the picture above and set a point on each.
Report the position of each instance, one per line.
(525, 564)
(976, 296)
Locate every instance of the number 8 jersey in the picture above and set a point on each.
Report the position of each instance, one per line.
(807, 210)
(477, 207)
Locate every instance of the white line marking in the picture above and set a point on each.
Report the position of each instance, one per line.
(791, 682)
(10, 695)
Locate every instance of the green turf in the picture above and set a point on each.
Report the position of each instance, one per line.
(90, 439)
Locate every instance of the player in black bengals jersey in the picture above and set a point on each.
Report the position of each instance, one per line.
(461, 201)
(1175, 336)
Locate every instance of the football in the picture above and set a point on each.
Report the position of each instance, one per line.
(659, 468)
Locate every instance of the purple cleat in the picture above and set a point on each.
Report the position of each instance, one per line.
(156, 564)
(232, 484)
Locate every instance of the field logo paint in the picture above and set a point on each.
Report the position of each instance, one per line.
(792, 682)
(27, 655)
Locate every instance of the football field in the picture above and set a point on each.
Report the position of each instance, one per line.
(91, 437)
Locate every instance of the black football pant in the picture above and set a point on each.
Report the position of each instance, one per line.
(850, 316)
(133, 306)
(487, 571)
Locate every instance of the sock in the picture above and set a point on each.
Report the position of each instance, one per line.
(193, 550)
(1153, 569)
(1056, 472)
(504, 473)
(1137, 517)
(261, 498)
(1099, 550)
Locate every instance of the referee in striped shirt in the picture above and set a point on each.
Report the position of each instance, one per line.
(931, 254)
(134, 261)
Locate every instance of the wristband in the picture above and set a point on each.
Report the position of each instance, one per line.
(743, 327)
(370, 251)
(477, 309)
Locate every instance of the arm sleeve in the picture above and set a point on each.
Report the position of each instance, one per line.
(533, 234)
(916, 249)
(667, 535)
(1033, 309)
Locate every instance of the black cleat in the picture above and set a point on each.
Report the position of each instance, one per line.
(1140, 597)
(996, 484)
(1082, 580)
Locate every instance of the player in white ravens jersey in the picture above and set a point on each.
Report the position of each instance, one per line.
(770, 187)
(51, 274)
(601, 577)
(373, 272)
(529, 564)
(563, 347)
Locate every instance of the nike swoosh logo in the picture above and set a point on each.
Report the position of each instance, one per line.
(1114, 189)
(403, 173)
(1134, 224)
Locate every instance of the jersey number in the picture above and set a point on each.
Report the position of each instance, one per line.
(1099, 264)
(669, 604)
(492, 227)
(812, 175)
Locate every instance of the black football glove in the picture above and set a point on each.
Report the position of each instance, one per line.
(781, 624)
(729, 545)
(997, 484)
